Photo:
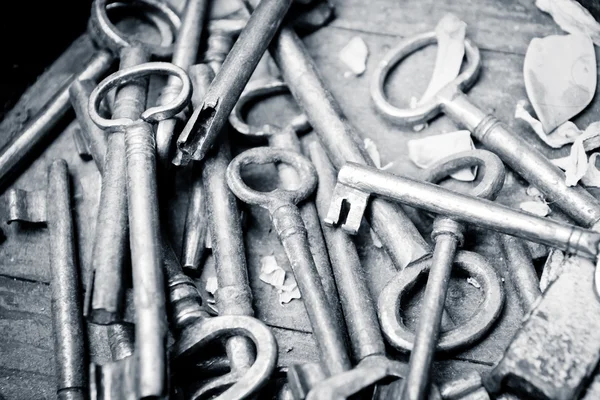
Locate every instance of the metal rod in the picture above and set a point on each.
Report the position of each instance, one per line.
(396, 231)
(464, 208)
(16, 155)
(207, 121)
(66, 301)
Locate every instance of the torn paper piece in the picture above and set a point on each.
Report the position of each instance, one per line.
(355, 54)
(564, 134)
(576, 164)
(532, 191)
(289, 292)
(450, 34)
(375, 239)
(572, 17)
(553, 267)
(592, 175)
(211, 288)
(270, 272)
(473, 282)
(427, 151)
(373, 152)
(538, 208)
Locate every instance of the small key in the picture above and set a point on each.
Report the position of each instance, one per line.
(185, 52)
(399, 236)
(207, 121)
(281, 204)
(368, 347)
(53, 206)
(196, 331)
(527, 161)
(287, 138)
(142, 201)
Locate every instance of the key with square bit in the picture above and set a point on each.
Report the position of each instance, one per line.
(53, 206)
(207, 121)
(287, 137)
(142, 201)
(286, 219)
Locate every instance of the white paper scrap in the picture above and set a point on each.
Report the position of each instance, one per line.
(355, 54)
(564, 134)
(538, 208)
(572, 17)
(270, 272)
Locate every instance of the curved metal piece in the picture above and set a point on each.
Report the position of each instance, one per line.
(265, 155)
(397, 333)
(255, 93)
(429, 109)
(127, 75)
(368, 372)
(492, 176)
(204, 333)
(106, 33)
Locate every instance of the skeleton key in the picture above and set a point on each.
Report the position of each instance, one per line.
(39, 130)
(359, 310)
(281, 204)
(142, 200)
(448, 235)
(207, 121)
(54, 208)
(184, 56)
(396, 231)
(196, 331)
(288, 138)
(104, 297)
(527, 161)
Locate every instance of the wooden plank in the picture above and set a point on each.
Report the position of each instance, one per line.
(506, 26)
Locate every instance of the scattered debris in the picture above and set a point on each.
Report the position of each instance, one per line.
(564, 134)
(535, 207)
(272, 274)
(572, 17)
(473, 282)
(424, 152)
(354, 55)
(373, 152)
(553, 268)
(211, 288)
(532, 191)
(289, 292)
(375, 239)
(576, 165)
(560, 77)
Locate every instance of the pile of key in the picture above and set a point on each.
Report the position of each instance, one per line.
(176, 346)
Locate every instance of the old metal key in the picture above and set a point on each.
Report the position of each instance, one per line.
(527, 161)
(54, 207)
(361, 318)
(288, 138)
(208, 120)
(142, 203)
(281, 204)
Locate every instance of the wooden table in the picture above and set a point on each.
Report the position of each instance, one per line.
(501, 29)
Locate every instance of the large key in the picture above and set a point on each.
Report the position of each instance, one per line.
(287, 138)
(185, 52)
(527, 161)
(196, 331)
(40, 129)
(368, 347)
(281, 204)
(396, 231)
(142, 200)
(208, 120)
(54, 208)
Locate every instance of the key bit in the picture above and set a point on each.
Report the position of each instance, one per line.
(348, 205)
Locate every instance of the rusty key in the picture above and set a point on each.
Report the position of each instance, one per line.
(53, 206)
(207, 121)
(286, 219)
(287, 138)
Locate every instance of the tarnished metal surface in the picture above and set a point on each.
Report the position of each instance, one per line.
(26, 206)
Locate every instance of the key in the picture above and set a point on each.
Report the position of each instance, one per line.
(527, 161)
(553, 355)
(94, 137)
(281, 204)
(185, 52)
(521, 271)
(356, 183)
(40, 130)
(53, 206)
(195, 331)
(447, 235)
(142, 201)
(207, 121)
(287, 138)
(368, 347)
(396, 231)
